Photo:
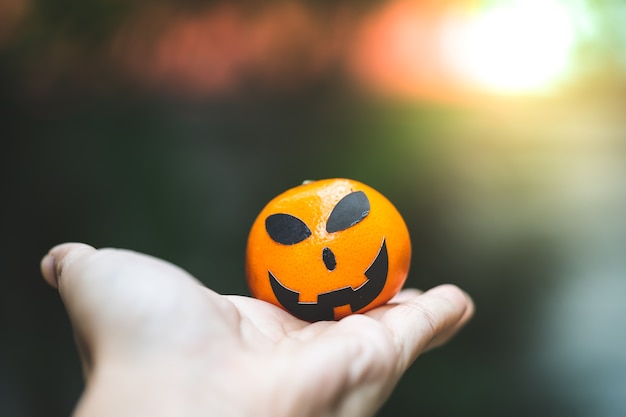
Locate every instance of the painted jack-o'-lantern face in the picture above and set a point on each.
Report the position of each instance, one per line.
(326, 249)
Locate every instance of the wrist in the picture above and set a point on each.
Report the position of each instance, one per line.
(156, 390)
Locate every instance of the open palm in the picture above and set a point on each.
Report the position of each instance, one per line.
(155, 341)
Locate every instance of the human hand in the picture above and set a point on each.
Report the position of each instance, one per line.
(154, 341)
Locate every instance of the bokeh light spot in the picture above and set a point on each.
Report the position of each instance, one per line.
(515, 46)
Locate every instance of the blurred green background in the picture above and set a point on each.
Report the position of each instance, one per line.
(164, 127)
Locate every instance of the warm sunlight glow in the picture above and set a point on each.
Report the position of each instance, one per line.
(515, 46)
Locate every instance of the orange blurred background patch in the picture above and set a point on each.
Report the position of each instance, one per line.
(400, 49)
(224, 48)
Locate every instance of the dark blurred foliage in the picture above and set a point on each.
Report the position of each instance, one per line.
(90, 153)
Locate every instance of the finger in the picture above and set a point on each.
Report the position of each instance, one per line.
(427, 320)
(401, 297)
(445, 336)
(405, 295)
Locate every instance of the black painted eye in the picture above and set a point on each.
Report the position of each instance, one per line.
(349, 211)
(286, 229)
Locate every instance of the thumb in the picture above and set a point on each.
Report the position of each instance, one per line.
(116, 288)
(118, 299)
(52, 266)
(60, 257)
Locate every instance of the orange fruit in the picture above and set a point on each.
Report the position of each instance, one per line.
(327, 249)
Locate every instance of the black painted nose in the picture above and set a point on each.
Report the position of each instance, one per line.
(329, 259)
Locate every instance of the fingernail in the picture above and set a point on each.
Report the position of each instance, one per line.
(49, 270)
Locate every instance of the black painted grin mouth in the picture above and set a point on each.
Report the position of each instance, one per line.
(326, 302)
